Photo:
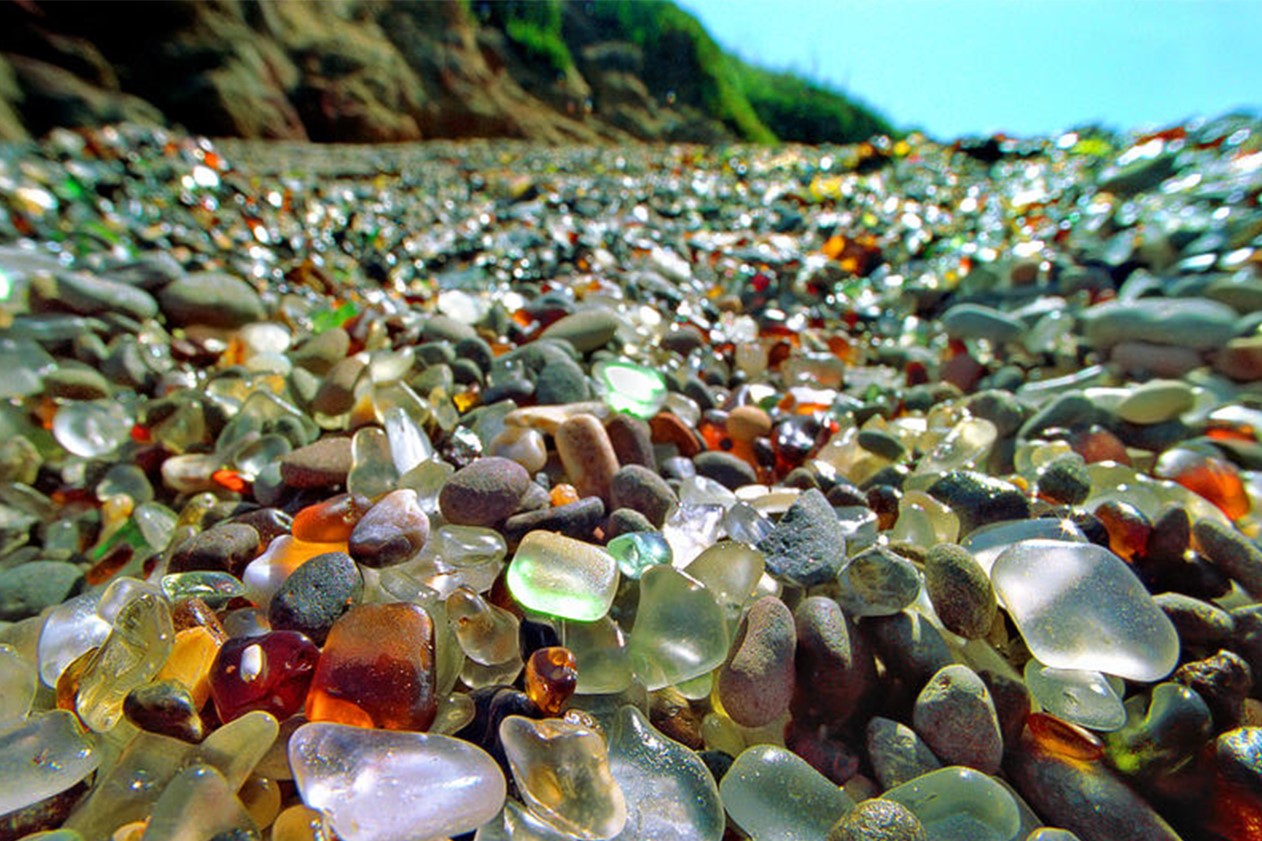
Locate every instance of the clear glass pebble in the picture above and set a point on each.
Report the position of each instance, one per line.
(1079, 697)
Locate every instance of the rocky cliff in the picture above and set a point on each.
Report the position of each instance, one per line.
(377, 71)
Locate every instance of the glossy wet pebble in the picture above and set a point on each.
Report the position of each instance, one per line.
(484, 493)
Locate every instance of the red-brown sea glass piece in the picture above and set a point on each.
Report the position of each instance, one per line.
(270, 672)
(1060, 737)
(377, 669)
(1098, 444)
(1128, 528)
(551, 675)
(331, 521)
(1207, 476)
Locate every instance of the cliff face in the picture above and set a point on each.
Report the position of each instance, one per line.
(352, 71)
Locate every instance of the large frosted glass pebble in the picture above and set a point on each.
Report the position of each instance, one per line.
(959, 804)
(1080, 697)
(390, 785)
(562, 772)
(989, 542)
(1078, 606)
(679, 632)
(670, 794)
(774, 795)
(42, 756)
(560, 576)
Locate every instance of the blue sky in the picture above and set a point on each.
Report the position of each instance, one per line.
(1025, 67)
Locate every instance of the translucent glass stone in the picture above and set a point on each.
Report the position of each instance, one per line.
(989, 542)
(690, 528)
(517, 823)
(523, 445)
(1078, 606)
(631, 388)
(18, 682)
(24, 364)
(139, 643)
(427, 479)
(77, 625)
(473, 555)
(600, 650)
(42, 756)
(924, 521)
(486, 632)
(409, 445)
(563, 577)
(730, 571)
(196, 804)
(92, 428)
(1080, 697)
(216, 589)
(679, 632)
(772, 794)
(967, 445)
(388, 785)
(960, 804)
(562, 772)
(669, 792)
(372, 473)
(745, 523)
(637, 551)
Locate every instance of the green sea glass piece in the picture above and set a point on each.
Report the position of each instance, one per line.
(560, 576)
(631, 388)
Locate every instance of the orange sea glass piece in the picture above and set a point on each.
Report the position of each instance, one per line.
(1127, 526)
(551, 676)
(1060, 737)
(331, 521)
(377, 669)
(1207, 476)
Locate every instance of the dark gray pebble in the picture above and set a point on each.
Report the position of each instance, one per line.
(1065, 481)
(316, 594)
(1232, 552)
(561, 381)
(165, 707)
(391, 532)
(575, 519)
(322, 464)
(632, 440)
(484, 493)
(960, 590)
(624, 521)
(726, 469)
(1239, 757)
(1223, 681)
(806, 546)
(836, 672)
(978, 499)
(226, 547)
(642, 489)
(28, 588)
(897, 754)
(956, 717)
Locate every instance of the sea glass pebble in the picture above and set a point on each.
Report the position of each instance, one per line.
(772, 794)
(959, 804)
(669, 792)
(42, 756)
(563, 577)
(1078, 606)
(384, 785)
(1080, 697)
(679, 632)
(627, 387)
(639, 550)
(562, 772)
(989, 542)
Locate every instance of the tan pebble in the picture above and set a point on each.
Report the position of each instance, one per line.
(587, 455)
(745, 423)
(546, 419)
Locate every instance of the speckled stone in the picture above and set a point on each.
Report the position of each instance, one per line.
(315, 595)
(898, 755)
(637, 487)
(1200, 624)
(322, 464)
(561, 381)
(1239, 756)
(960, 591)
(484, 493)
(575, 519)
(956, 717)
(807, 544)
(1065, 481)
(624, 521)
(878, 820)
(836, 672)
(226, 547)
(756, 683)
(908, 644)
(631, 439)
(1232, 552)
(1223, 680)
(978, 499)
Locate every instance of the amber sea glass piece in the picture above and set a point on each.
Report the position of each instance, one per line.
(377, 669)
(270, 672)
(551, 676)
